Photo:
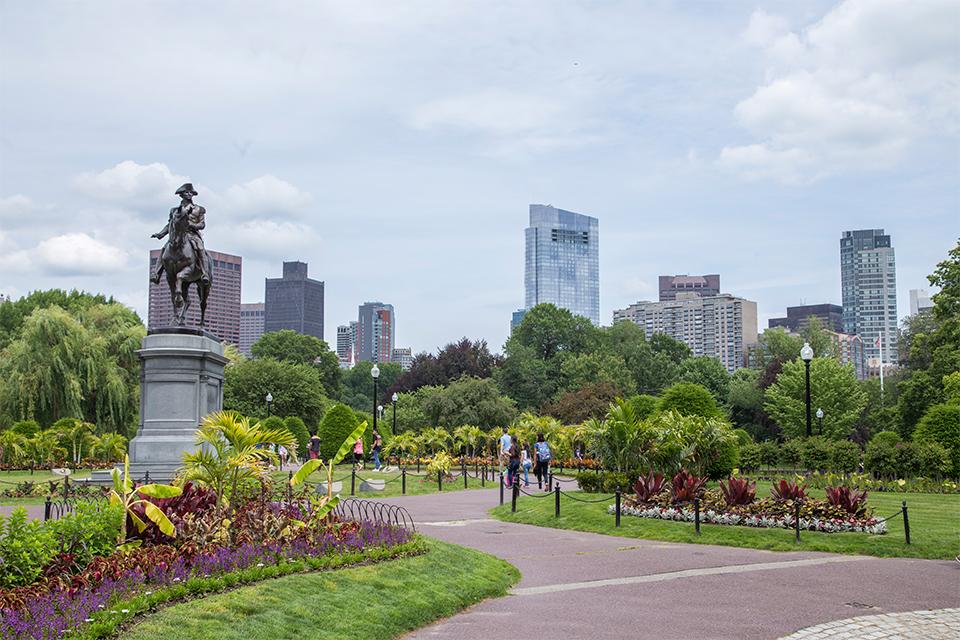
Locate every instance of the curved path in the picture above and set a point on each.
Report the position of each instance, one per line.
(586, 585)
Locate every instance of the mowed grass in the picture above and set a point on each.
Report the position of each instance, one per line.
(934, 526)
(379, 601)
(10, 479)
(416, 484)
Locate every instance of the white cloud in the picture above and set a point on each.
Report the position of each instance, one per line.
(264, 196)
(78, 254)
(851, 92)
(138, 186)
(270, 238)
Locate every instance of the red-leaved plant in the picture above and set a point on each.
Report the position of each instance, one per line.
(686, 486)
(738, 491)
(850, 500)
(649, 486)
(784, 490)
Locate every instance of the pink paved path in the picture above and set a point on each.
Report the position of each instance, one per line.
(728, 601)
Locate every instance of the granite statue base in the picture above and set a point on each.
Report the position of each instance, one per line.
(181, 381)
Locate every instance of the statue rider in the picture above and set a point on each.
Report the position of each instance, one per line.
(195, 223)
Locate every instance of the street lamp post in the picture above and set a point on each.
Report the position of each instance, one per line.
(394, 398)
(269, 400)
(820, 421)
(806, 353)
(375, 373)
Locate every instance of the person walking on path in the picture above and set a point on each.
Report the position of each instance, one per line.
(542, 456)
(504, 450)
(358, 454)
(513, 462)
(377, 446)
(314, 446)
(526, 463)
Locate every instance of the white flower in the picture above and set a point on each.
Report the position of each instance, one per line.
(260, 564)
(124, 610)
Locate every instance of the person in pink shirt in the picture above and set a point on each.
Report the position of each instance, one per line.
(358, 454)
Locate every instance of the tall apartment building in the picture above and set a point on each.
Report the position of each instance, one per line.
(919, 301)
(403, 356)
(704, 286)
(376, 326)
(829, 315)
(346, 344)
(251, 326)
(223, 305)
(850, 350)
(868, 275)
(294, 301)
(563, 261)
(722, 327)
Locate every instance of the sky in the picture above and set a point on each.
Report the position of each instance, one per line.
(396, 146)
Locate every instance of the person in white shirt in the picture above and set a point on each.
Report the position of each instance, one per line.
(504, 450)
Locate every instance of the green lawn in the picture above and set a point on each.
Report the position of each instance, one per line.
(8, 480)
(416, 485)
(379, 601)
(934, 526)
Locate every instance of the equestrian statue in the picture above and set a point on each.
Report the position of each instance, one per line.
(184, 258)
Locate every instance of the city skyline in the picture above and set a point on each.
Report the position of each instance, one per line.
(699, 159)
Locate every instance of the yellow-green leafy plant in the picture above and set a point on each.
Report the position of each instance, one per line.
(440, 463)
(125, 494)
(468, 437)
(323, 505)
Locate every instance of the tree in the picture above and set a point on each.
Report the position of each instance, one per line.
(589, 401)
(457, 359)
(295, 425)
(13, 314)
(777, 344)
(690, 399)
(833, 388)
(644, 405)
(358, 384)
(296, 389)
(707, 372)
(337, 424)
(469, 401)
(578, 370)
(674, 349)
(941, 424)
(652, 369)
(298, 348)
(526, 378)
(549, 330)
(947, 278)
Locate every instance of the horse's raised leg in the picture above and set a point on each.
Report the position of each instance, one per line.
(203, 290)
(184, 293)
(175, 298)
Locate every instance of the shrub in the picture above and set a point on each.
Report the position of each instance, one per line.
(769, 453)
(690, 399)
(886, 437)
(737, 491)
(589, 482)
(337, 425)
(791, 453)
(644, 405)
(850, 500)
(751, 457)
(606, 482)
(941, 424)
(743, 438)
(87, 531)
(296, 426)
(907, 460)
(26, 546)
(880, 459)
(816, 453)
(650, 485)
(440, 463)
(26, 428)
(934, 460)
(193, 500)
(723, 460)
(686, 486)
(784, 490)
(846, 456)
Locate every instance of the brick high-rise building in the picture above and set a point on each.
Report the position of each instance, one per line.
(294, 301)
(868, 275)
(702, 286)
(376, 327)
(722, 327)
(251, 326)
(223, 305)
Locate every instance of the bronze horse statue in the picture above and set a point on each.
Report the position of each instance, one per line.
(184, 263)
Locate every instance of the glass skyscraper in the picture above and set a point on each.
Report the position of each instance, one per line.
(563, 261)
(868, 275)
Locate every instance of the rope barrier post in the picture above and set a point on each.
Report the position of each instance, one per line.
(353, 482)
(514, 494)
(557, 503)
(66, 487)
(618, 506)
(418, 464)
(439, 480)
(483, 477)
(464, 477)
(501, 488)
(906, 522)
(550, 480)
(46, 509)
(403, 482)
(796, 519)
(696, 515)
(146, 478)
(290, 488)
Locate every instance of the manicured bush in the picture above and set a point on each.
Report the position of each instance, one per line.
(816, 454)
(644, 405)
(769, 453)
(750, 457)
(296, 426)
(880, 459)
(941, 424)
(886, 437)
(337, 425)
(845, 457)
(934, 460)
(605, 482)
(791, 453)
(723, 460)
(690, 399)
(908, 460)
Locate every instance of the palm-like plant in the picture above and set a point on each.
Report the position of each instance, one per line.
(126, 495)
(322, 506)
(44, 448)
(77, 436)
(108, 447)
(468, 437)
(13, 447)
(407, 443)
(620, 439)
(435, 439)
(232, 451)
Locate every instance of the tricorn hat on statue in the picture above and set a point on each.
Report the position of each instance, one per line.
(186, 188)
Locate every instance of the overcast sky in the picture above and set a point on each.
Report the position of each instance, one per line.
(396, 146)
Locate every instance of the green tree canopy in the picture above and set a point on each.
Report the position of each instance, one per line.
(469, 401)
(298, 348)
(707, 372)
(358, 384)
(296, 389)
(589, 401)
(338, 423)
(941, 424)
(549, 330)
(581, 369)
(833, 388)
(690, 399)
(13, 314)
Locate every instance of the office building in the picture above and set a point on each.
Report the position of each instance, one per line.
(346, 343)
(251, 326)
(517, 318)
(703, 286)
(375, 332)
(563, 261)
(919, 301)
(829, 315)
(868, 275)
(223, 305)
(294, 301)
(404, 357)
(722, 327)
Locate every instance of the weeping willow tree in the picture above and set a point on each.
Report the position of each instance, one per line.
(66, 366)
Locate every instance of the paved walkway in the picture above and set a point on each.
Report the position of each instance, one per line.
(584, 585)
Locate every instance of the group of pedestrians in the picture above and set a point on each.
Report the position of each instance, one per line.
(516, 457)
(376, 449)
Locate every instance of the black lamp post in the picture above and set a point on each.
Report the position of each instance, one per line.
(375, 373)
(806, 353)
(269, 400)
(394, 398)
(820, 421)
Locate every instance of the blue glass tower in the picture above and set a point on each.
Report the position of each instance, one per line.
(563, 261)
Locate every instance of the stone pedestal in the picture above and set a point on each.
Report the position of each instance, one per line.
(181, 381)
